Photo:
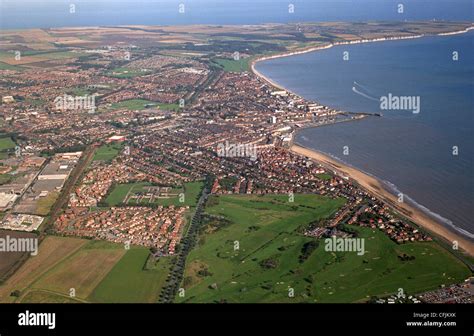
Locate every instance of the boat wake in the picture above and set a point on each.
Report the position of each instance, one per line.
(368, 93)
(364, 87)
(365, 95)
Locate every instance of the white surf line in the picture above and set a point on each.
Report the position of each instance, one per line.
(364, 95)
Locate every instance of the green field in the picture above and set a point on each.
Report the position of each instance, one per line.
(6, 144)
(79, 91)
(267, 264)
(128, 73)
(141, 104)
(133, 104)
(38, 56)
(55, 55)
(169, 107)
(191, 194)
(130, 282)
(6, 66)
(324, 177)
(120, 191)
(5, 178)
(40, 296)
(44, 204)
(232, 65)
(108, 152)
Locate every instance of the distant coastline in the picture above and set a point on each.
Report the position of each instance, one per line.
(370, 183)
(457, 32)
(335, 44)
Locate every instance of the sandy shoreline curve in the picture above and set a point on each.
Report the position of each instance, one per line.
(375, 187)
(369, 183)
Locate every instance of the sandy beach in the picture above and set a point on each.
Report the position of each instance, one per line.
(373, 186)
(369, 183)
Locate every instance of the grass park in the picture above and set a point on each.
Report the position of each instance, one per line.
(141, 104)
(107, 152)
(125, 72)
(231, 65)
(324, 177)
(190, 190)
(6, 143)
(269, 263)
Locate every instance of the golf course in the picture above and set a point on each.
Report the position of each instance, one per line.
(251, 249)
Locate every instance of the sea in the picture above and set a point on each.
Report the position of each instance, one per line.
(426, 156)
(22, 14)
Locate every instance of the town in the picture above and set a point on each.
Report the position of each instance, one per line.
(115, 169)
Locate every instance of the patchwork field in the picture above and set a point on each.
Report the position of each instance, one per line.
(273, 258)
(83, 271)
(51, 252)
(35, 56)
(97, 271)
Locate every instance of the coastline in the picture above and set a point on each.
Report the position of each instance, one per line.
(375, 187)
(330, 45)
(369, 183)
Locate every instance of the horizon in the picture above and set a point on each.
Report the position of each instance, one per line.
(55, 13)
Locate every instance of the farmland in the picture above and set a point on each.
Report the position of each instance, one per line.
(267, 265)
(83, 271)
(51, 252)
(35, 56)
(9, 259)
(97, 271)
(129, 281)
